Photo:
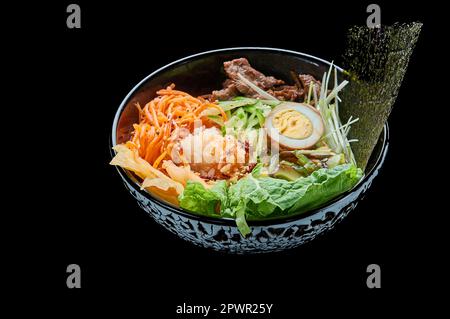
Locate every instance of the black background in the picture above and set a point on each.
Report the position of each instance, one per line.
(130, 263)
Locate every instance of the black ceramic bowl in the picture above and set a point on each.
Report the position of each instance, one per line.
(200, 74)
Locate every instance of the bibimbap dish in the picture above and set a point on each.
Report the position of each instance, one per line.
(238, 160)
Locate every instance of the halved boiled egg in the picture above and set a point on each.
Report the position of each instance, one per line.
(295, 125)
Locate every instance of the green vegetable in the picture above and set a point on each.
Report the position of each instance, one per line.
(258, 170)
(264, 197)
(335, 160)
(271, 103)
(197, 198)
(256, 197)
(325, 184)
(217, 119)
(306, 162)
(236, 102)
(298, 168)
(246, 116)
(336, 132)
(287, 172)
(246, 113)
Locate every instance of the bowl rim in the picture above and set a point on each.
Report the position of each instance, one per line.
(229, 221)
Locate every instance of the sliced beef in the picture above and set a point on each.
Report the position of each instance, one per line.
(286, 92)
(233, 86)
(306, 80)
(241, 65)
(228, 92)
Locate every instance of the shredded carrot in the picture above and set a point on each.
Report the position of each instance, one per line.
(158, 119)
(159, 159)
(171, 92)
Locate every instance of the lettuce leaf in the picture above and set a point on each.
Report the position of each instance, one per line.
(201, 200)
(266, 196)
(327, 184)
(254, 197)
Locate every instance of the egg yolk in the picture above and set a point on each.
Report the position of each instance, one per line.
(293, 124)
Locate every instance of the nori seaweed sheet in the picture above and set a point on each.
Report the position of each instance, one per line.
(376, 60)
